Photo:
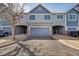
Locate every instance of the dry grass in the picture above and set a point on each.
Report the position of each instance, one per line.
(9, 40)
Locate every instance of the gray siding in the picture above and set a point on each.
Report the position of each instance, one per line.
(72, 23)
(56, 21)
(72, 29)
(23, 21)
(6, 22)
(7, 29)
(39, 19)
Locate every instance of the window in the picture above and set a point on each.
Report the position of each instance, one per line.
(39, 17)
(72, 17)
(46, 17)
(32, 17)
(59, 16)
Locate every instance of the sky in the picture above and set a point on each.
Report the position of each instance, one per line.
(53, 7)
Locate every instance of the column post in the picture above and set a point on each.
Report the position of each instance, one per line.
(28, 30)
(66, 32)
(50, 31)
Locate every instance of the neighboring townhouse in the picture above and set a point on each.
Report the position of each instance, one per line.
(72, 21)
(42, 22)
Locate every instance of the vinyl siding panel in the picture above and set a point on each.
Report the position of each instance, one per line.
(72, 23)
(6, 22)
(23, 21)
(7, 29)
(72, 29)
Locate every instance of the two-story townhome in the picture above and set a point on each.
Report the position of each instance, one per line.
(42, 22)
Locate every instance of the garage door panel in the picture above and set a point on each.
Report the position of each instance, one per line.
(39, 31)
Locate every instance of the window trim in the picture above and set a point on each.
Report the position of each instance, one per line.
(39, 15)
(36, 17)
(44, 16)
(72, 19)
(30, 19)
(59, 19)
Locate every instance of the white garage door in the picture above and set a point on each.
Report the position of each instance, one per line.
(39, 31)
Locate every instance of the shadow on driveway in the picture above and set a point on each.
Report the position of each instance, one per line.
(20, 49)
(39, 38)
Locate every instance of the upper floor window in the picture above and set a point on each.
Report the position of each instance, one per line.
(32, 17)
(39, 17)
(71, 17)
(46, 17)
(59, 16)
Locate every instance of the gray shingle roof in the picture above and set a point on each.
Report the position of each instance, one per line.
(77, 7)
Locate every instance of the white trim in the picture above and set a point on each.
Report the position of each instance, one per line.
(72, 14)
(27, 18)
(72, 27)
(49, 27)
(65, 21)
(6, 26)
(38, 14)
(39, 20)
(1, 28)
(78, 20)
(40, 26)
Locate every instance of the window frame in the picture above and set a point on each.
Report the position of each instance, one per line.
(59, 14)
(47, 19)
(72, 19)
(32, 19)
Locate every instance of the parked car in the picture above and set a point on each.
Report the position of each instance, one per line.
(4, 34)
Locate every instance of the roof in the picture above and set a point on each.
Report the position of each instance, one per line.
(58, 12)
(52, 7)
(40, 6)
(76, 7)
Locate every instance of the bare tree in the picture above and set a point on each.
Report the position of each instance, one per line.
(13, 11)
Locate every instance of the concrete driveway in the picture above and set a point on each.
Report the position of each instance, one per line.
(42, 47)
(50, 47)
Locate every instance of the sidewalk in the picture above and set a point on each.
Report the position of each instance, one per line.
(68, 41)
(71, 43)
